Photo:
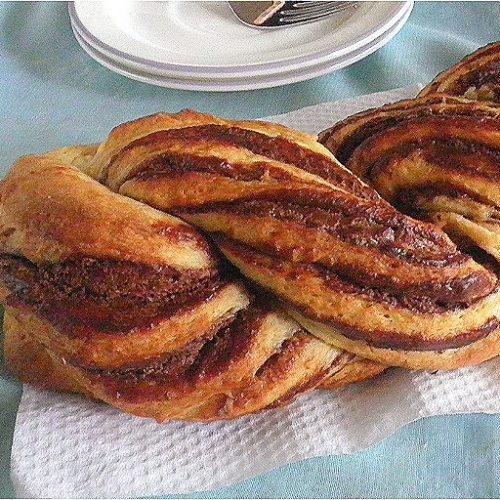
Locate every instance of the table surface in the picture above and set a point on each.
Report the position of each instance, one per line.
(52, 94)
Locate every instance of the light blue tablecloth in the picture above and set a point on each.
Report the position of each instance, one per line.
(52, 94)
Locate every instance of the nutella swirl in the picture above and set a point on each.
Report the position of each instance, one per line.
(102, 294)
(435, 158)
(134, 307)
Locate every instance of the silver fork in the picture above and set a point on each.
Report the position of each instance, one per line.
(281, 13)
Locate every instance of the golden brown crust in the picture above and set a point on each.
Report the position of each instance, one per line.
(29, 361)
(262, 359)
(365, 328)
(356, 370)
(77, 156)
(278, 195)
(65, 197)
(471, 354)
(476, 77)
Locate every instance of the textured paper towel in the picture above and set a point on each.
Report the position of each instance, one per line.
(67, 446)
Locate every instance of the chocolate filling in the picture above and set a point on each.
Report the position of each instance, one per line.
(434, 299)
(106, 295)
(486, 74)
(395, 341)
(181, 363)
(232, 343)
(366, 224)
(412, 201)
(178, 164)
(275, 148)
(383, 119)
(157, 370)
(202, 361)
(454, 155)
(450, 290)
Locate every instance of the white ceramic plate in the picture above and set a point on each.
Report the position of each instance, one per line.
(248, 83)
(204, 39)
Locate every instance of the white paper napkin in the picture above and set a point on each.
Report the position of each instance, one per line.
(67, 446)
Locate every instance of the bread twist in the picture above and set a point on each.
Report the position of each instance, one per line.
(346, 264)
(129, 305)
(476, 77)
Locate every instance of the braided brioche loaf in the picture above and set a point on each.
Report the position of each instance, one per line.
(346, 264)
(129, 305)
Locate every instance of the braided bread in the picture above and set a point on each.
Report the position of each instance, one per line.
(110, 292)
(346, 265)
(111, 298)
(476, 77)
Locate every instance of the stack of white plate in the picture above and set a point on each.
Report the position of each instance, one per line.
(202, 46)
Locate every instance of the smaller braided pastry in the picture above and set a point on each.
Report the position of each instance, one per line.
(476, 77)
(436, 158)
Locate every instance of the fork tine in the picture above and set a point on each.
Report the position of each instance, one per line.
(315, 10)
(273, 14)
(307, 10)
(287, 21)
(299, 17)
(305, 5)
